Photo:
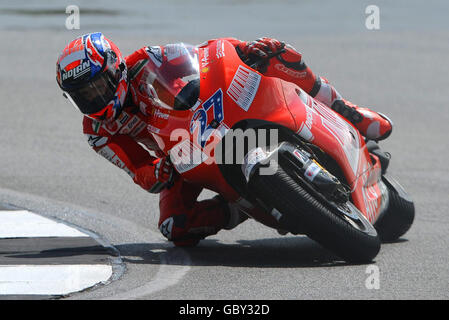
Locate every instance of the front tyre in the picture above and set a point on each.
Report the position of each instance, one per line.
(399, 217)
(353, 239)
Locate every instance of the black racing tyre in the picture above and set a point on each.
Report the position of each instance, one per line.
(398, 218)
(303, 212)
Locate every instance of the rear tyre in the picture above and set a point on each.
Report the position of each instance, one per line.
(301, 212)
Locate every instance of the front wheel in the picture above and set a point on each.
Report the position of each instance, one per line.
(398, 218)
(343, 229)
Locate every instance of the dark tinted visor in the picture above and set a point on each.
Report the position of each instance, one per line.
(95, 95)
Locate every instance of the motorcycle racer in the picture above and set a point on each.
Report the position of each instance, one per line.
(106, 88)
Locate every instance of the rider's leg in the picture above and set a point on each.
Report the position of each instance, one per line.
(291, 67)
(186, 221)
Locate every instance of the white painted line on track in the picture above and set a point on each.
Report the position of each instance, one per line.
(50, 279)
(24, 224)
(168, 274)
(55, 277)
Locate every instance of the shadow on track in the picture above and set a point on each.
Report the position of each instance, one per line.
(287, 252)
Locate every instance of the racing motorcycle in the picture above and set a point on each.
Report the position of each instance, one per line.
(269, 148)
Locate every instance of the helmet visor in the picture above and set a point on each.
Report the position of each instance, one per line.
(93, 96)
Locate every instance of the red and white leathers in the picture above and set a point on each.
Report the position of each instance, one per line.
(127, 143)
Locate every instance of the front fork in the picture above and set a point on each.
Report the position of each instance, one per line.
(297, 161)
(301, 162)
(300, 165)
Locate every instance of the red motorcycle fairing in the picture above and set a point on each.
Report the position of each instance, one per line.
(231, 91)
(320, 125)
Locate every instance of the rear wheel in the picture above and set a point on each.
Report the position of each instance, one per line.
(340, 228)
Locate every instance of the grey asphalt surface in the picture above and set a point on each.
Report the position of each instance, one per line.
(401, 70)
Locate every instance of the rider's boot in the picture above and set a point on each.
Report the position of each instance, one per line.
(372, 125)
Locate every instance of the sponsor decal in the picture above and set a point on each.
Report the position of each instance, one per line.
(305, 130)
(96, 141)
(298, 154)
(159, 114)
(290, 72)
(155, 54)
(166, 227)
(96, 126)
(113, 126)
(173, 51)
(220, 49)
(345, 134)
(138, 129)
(110, 155)
(309, 118)
(128, 127)
(243, 87)
(153, 129)
(76, 72)
(312, 170)
(205, 58)
(251, 159)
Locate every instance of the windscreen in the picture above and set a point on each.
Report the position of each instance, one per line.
(174, 82)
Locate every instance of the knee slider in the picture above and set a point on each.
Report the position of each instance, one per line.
(174, 227)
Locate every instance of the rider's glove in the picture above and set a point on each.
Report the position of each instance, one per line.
(262, 47)
(164, 174)
(260, 51)
(156, 177)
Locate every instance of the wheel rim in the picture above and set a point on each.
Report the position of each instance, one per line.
(351, 214)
